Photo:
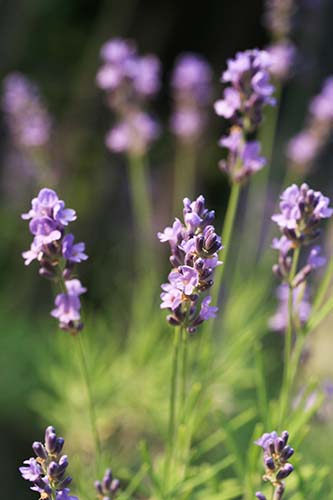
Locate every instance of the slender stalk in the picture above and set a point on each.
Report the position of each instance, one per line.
(226, 237)
(172, 405)
(184, 174)
(91, 405)
(286, 384)
(141, 201)
(183, 391)
(278, 492)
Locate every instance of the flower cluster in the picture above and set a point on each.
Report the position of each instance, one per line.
(301, 307)
(243, 101)
(57, 254)
(283, 57)
(276, 455)
(108, 487)
(194, 245)
(191, 85)
(28, 120)
(302, 209)
(129, 80)
(304, 147)
(47, 472)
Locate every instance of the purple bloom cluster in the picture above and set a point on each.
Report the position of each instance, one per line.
(47, 472)
(28, 120)
(302, 210)
(249, 90)
(191, 86)
(301, 307)
(108, 487)
(276, 455)
(283, 57)
(306, 145)
(194, 245)
(57, 254)
(129, 80)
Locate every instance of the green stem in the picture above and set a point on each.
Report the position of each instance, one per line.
(184, 174)
(287, 382)
(172, 405)
(91, 406)
(183, 391)
(141, 202)
(226, 237)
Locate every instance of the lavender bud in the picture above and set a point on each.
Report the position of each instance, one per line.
(107, 479)
(285, 471)
(59, 445)
(199, 243)
(53, 469)
(285, 437)
(278, 445)
(260, 496)
(63, 463)
(98, 486)
(172, 320)
(287, 452)
(39, 450)
(270, 446)
(115, 485)
(269, 462)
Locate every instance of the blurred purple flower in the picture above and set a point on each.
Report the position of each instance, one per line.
(301, 307)
(283, 57)
(73, 252)
(191, 89)
(68, 305)
(28, 120)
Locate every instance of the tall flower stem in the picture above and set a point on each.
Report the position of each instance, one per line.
(91, 405)
(227, 234)
(287, 382)
(183, 391)
(141, 202)
(172, 405)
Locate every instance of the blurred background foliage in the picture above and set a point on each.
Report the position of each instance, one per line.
(56, 43)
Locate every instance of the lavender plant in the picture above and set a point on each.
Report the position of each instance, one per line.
(108, 487)
(305, 147)
(48, 471)
(276, 455)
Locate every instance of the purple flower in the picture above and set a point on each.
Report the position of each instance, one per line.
(207, 311)
(303, 148)
(276, 453)
(230, 104)
(171, 234)
(108, 487)
(133, 135)
(48, 475)
(191, 88)
(64, 495)
(250, 90)
(194, 246)
(186, 278)
(28, 120)
(192, 77)
(32, 471)
(301, 307)
(283, 55)
(68, 305)
(51, 246)
(171, 296)
(146, 75)
(71, 252)
(316, 260)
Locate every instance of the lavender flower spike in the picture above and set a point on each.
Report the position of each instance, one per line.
(276, 455)
(249, 91)
(47, 472)
(108, 487)
(191, 89)
(194, 246)
(57, 254)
